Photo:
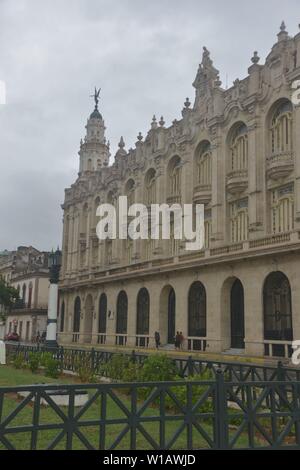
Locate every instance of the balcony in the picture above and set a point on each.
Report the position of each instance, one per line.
(237, 181)
(280, 165)
(202, 193)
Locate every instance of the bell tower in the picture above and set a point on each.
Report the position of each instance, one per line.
(94, 150)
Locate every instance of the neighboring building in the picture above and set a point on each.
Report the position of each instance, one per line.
(235, 150)
(26, 269)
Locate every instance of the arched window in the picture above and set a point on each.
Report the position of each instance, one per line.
(76, 319)
(282, 209)
(281, 129)
(102, 314)
(203, 164)
(174, 177)
(239, 221)
(143, 308)
(30, 295)
(89, 165)
(150, 187)
(277, 308)
(62, 317)
(239, 149)
(197, 310)
(122, 312)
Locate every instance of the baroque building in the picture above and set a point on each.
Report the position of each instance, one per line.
(237, 151)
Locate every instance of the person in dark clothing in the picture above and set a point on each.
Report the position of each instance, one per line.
(157, 339)
(177, 340)
(181, 340)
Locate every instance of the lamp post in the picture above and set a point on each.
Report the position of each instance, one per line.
(54, 264)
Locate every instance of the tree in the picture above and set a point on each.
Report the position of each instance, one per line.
(8, 295)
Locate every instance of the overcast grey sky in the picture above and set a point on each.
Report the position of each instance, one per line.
(143, 54)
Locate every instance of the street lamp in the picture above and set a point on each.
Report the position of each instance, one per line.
(54, 264)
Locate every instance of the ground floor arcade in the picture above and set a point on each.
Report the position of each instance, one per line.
(249, 305)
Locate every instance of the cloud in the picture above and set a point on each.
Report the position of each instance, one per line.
(144, 55)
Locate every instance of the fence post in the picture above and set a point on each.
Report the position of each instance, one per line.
(133, 356)
(190, 366)
(281, 377)
(221, 431)
(93, 365)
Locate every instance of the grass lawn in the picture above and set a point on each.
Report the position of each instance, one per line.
(10, 376)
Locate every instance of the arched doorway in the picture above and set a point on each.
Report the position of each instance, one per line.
(88, 319)
(167, 315)
(102, 316)
(122, 313)
(76, 319)
(237, 315)
(278, 323)
(142, 321)
(197, 313)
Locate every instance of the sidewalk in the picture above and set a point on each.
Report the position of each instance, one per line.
(261, 361)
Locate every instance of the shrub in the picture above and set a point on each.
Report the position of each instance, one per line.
(158, 368)
(115, 367)
(33, 361)
(132, 372)
(18, 361)
(44, 358)
(52, 367)
(198, 391)
(83, 368)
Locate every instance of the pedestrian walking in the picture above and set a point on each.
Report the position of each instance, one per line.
(157, 339)
(177, 341)
(181, 340)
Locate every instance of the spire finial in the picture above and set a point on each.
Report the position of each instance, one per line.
(140, 137)
(283, 34)
(96, 97)
(121, 143)
(154, 123)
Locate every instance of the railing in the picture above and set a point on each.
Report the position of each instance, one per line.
(234, 371)
(121, 339)
(101, 338)
(196, 343)
(142, 341)
(246, 246)
(278, 348)
(152, 415)
(273, 239)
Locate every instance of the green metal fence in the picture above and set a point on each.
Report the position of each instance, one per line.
(233, 371)
(153, 415)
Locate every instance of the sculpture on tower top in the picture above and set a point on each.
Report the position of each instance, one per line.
(96, 97)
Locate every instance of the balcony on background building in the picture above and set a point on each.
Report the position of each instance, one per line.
(280, 165)
(237, 181)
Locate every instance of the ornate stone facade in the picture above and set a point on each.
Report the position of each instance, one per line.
(238, 152)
